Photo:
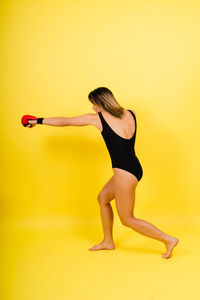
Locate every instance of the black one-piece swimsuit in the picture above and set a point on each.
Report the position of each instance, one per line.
(121, 150)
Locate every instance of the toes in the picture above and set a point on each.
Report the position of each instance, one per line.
(166, 255)
(92, 248)
(101, 246)
(96, 247)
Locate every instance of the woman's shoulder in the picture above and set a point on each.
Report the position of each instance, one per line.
(132, 111)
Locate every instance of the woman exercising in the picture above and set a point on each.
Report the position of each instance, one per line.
(118, 128)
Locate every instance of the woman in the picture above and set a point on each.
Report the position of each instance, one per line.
(118, 127)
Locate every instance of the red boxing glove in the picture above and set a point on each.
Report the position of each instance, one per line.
(25, 118)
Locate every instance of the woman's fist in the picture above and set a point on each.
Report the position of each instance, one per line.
(31, 123)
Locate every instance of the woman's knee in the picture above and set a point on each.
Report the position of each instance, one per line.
(128, 220)
(100, 198)
(104, 198)
(107, 193)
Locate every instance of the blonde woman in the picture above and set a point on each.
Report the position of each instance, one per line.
(118, 128)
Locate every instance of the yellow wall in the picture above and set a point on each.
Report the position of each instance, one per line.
(52, 54)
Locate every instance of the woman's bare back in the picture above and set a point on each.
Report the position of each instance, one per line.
(124, 127)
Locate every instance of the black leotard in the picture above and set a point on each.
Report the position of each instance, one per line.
(121, 150)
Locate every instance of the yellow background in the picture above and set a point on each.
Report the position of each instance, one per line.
(52, 54)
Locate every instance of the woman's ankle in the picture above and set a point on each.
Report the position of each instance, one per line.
(108, 240)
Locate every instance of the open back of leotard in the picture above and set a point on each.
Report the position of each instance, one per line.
(121, 150)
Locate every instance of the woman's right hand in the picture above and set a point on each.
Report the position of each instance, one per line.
(32, 123)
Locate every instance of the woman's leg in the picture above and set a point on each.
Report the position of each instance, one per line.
(107, 221)
(125, 185)
(104, 198)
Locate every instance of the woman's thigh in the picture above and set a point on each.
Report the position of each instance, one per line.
(108, 192)
(124, 184)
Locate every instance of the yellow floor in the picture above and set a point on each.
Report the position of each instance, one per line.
(47, 258)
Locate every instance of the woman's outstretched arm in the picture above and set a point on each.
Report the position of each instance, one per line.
(87, 119)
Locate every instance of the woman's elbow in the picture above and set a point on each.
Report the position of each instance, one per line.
(64, 122)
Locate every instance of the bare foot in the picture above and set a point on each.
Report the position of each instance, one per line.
(170, 246)
(103, 245)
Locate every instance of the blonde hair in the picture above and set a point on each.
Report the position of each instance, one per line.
(103, 97)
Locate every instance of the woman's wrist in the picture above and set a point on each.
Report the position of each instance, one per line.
(57, 121)
(39, 120)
